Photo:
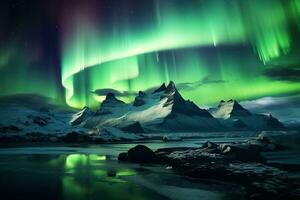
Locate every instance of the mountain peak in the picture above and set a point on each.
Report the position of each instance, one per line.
(142, 94)
(171, 87)
(230, 108)
(110, 100)
(161, 88)
(139, 99)
(81, 116)
(110, 95)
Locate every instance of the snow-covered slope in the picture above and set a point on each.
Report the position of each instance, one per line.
(81, 116)
(229, 109)
(232, 115)
(158, 111)
(26, 114)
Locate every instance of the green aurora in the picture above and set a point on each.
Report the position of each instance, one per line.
(212, 50)
(172, 44)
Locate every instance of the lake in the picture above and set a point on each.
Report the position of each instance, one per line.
(71, 172)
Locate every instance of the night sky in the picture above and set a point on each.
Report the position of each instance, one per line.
(74, 51)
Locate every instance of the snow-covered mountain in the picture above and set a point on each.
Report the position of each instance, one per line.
(32, 114)
(233, 116)
(81, 116)
(162, 110)
(155, 111)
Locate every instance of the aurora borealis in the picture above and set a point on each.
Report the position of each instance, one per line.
(212, 50)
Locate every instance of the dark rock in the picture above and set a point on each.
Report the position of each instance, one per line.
(142, 94)
(161, 88)
(138, 154)
(133, 128)
(139, 100)
(240, 165)
(123, 157)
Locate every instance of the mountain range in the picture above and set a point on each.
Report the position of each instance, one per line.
(165, 110)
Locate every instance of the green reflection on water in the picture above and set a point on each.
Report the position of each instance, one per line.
(94, 177)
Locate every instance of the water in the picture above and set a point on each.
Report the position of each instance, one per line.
(93, 172)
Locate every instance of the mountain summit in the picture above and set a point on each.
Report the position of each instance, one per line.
(234, 116)
(227, 109)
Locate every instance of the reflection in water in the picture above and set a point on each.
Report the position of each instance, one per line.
(90, 176)
(68, 177)
(84, 174)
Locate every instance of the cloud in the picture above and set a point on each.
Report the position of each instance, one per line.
(285, 108)
(205, 81)
(105, 91)
(289, 73)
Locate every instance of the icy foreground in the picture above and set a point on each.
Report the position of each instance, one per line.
(240, 163)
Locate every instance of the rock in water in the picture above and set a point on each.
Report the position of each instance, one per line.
(138, 154)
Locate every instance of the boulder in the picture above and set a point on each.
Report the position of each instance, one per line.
(138, 154)
(123, 157)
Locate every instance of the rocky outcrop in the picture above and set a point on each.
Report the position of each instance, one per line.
(139, 99)
(239, 163)
(110, 102)
(138, 154)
